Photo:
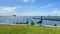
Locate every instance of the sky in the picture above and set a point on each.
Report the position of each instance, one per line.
(30, 7)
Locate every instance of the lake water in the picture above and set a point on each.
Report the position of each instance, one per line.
(12, 19)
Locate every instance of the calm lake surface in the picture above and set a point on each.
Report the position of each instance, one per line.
(12, 19)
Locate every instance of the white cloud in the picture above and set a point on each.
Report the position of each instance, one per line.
(7, 10)
(28, 1)
(56, 12)
(47, 6)
(12, 10)
(25, 0)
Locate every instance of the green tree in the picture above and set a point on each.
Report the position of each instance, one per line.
(32, 23)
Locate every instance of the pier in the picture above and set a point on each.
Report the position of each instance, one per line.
(49, 18)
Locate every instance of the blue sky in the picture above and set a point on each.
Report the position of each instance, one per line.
(30, 7)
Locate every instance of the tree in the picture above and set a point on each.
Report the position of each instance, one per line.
(14, 15)
(32, 23)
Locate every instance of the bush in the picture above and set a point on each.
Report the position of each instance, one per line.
(32, 23)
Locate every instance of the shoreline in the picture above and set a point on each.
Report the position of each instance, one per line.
(34, 25)
(50, 26)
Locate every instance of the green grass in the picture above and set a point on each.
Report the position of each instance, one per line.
(17, 29)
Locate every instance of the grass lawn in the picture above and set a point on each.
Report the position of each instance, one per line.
(18, 29)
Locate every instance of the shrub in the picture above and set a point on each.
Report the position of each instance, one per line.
(32, 23)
